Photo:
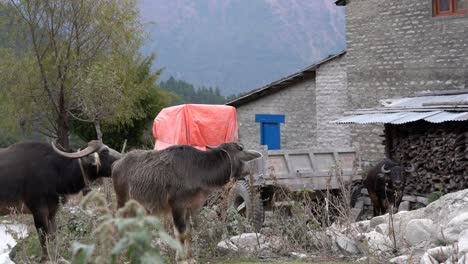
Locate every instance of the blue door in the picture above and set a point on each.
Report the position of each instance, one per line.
(270, 130)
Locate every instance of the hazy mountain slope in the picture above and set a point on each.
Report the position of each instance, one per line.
(239, 45)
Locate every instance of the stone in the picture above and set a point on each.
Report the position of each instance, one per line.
(297, 255)
(441, 254)
(455, 226)
(378, 242)
(362, 226)
(419, 231)
(463, 259)
(423, 200)
(409, 198)
(400, 259)
(463, 242)
(404, 206)
(227, 247)
(346, 244)
(382, 229)
(381, 219)
(428, 259)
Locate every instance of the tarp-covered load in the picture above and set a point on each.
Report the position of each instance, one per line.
(196, 125)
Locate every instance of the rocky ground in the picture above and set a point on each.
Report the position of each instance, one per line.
(435, 234)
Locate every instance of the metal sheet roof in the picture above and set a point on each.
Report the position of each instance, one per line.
(403, 117)
(431, 108)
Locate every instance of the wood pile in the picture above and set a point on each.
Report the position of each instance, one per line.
(440, 157)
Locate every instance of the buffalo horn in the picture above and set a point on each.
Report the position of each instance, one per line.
(93, 146)
(410, 169)
(384, 170)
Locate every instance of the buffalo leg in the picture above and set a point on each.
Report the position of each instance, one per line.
(53, 208)
(41, 222)
(188, 238)
(180, 231)
(375, 203)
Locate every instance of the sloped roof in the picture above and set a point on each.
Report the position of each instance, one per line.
(435, 107)
(280, 84)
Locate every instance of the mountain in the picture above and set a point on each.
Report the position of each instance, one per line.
(239, 45)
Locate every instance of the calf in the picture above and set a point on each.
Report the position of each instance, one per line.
(177, 181)
(385, 184)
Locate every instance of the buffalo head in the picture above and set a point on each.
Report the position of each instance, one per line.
(96, 154)
(395, 175)
(238, 156)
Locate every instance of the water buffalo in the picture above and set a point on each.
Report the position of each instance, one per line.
(34, 176)
(385, 183)
(177, 181)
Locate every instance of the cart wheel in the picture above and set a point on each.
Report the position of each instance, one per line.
(246, 200)
(356, 192)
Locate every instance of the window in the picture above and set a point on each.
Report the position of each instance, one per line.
(449, 7)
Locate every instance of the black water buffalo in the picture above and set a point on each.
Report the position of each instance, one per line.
(34, 176)
(385, 184)
(177, 181)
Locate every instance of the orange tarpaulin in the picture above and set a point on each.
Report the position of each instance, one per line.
(195, 124)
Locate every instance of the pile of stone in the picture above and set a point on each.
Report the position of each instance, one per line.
(435, 234)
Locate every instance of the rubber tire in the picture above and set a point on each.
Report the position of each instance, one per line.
(241, 192)
(356, 192)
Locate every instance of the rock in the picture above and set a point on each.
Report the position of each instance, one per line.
(423, 200)
(382, 229)
(404, 206)
(463, 242)
(378, 242)
(381, 219)
(462, 259)
(297, 255)
(346, 244)
(428, 259)
(227, 247)
(400, 259)
(409, 198)
(452, 230)
(441, 254)
(8, 235)
(248, 241)
(362, 226)
(419, 231)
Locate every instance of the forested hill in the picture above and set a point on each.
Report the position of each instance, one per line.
(187, 93)
(240, 45)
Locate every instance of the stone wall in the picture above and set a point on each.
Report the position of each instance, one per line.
(297, 103)
(396, 48)
(331, 102)
(310, 107)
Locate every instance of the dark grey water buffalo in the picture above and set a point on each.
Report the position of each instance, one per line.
(35, 175)
(385, 183)
(177, 181)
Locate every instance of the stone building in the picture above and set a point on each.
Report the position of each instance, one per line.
(297, 111)
(398, 48)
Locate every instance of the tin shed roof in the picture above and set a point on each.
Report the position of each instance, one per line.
(435, 107)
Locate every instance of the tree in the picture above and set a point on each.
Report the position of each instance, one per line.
(74, 46)
(148, 103)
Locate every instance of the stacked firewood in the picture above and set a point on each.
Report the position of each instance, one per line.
(440, 157)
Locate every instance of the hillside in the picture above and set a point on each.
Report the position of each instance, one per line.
(240, 45)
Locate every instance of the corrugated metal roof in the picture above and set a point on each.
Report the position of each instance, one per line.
(431, 108)
(403, 117)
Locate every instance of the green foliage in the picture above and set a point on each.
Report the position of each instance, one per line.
(127, 237)
(146, 101)
(189, 94)
(78, 58)
(434, 196)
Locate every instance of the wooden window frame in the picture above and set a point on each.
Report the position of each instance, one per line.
(452, 9)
